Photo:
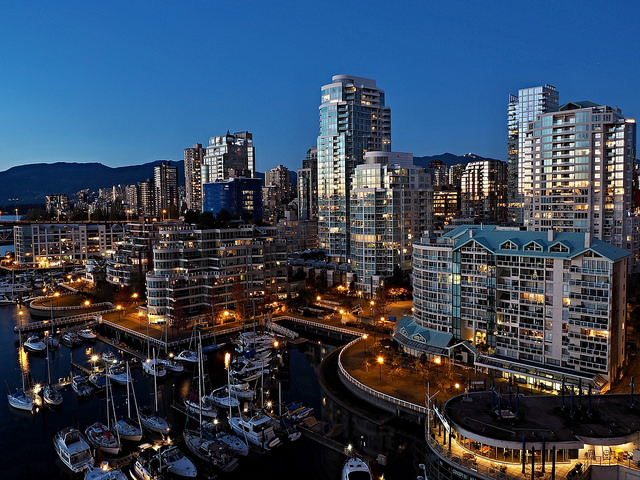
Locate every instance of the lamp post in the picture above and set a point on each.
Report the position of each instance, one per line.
(140, 319)
(118, 308)
(164, 212)
(364, 338)
(380, 362)
(437, 362)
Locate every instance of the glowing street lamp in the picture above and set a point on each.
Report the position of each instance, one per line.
(163, 214)
(380, 361)
(364, 338)
(118, 308)
(437, 362)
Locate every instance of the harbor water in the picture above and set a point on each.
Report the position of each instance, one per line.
(26, 438)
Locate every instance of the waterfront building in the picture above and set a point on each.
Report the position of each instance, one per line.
(391, 205)
(193, 266)
(522, 109)
(60, 244)
(230, 155)
(539, 307)
(578, 173)
(193, 158)
(483, 191)
(353, 120)
(134, 253)
(239, 196)
(308, 186)
(165, 181)
(503, 433)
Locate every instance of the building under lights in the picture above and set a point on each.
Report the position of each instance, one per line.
(58, 244)
(577, 169)
(540, 307)
(391, 204)
(193, 268)
(353, 120)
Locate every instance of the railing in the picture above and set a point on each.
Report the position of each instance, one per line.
(375, 393)
(48, 324)
(324, 326)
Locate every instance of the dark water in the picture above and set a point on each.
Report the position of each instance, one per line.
(26, 439)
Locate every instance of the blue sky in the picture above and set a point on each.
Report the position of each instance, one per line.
(131, 82)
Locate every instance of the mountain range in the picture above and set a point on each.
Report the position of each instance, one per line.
(30, 184)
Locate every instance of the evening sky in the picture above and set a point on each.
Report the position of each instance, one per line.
(129, 82)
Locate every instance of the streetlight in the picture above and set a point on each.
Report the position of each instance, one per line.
(163, 214)
(380, 362)
(140, 314)
(118, 308)
(437, 362)
(364, 337)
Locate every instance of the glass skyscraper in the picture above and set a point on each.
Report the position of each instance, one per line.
(524, 108)
(353, 121)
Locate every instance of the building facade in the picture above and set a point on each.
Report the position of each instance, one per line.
(391, 205)
(194, 268)
(165, 182)
(308, 186)
(578, 173)
(59, 244)
(483, 191)
(193, 158)
(523, 108)
(353, 120)
(539, 306)
(230, 155)
(238, 196)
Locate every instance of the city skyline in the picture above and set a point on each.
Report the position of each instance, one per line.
(128, 84)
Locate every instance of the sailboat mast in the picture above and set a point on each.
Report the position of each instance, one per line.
(128, 403)
(155, 381)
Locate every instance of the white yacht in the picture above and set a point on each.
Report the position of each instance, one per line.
(87, 335)
(154, 367)
(34, 344)
(233, 443)
(73, 449)
(172, 366)
(127, 427)
(204, 406)
(221, 398)
(211, 451)
(258, 430)
(81, 386)
(176, 463)
(118, 374)
(355, 468)
(104, 473)
(189, 357)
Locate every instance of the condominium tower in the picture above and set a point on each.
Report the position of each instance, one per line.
(230, 155)
(538, 306)
(165, 179)
(524, 108)
(578, 172)
(193, 185)
(391, 205)
(353, 120)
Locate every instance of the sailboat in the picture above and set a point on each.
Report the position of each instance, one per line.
(50, 394)
(103, 436)
(188, 356)
(129, 428)
(206, 449)
(151, 419)
(21, 399)
(104, 473)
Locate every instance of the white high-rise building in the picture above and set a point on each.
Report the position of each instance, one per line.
(391, 205)
(578, 173)
(353, 121)
(230, 155)
(538, 306)
(524, 108)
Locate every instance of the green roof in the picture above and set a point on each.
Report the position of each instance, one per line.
(564, 244)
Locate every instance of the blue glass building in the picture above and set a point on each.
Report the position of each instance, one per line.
(237, 195)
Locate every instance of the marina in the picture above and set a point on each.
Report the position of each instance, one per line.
(294, 374)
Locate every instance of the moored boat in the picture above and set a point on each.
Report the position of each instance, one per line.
(72, 448)
(355, 468)
(35, 344)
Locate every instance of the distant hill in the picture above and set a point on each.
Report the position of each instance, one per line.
(449, 159)
(31, 183)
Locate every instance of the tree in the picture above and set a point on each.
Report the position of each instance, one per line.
(237, 293)
(381, 305)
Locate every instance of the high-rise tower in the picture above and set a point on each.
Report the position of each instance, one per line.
(193, 185)
(230, 155)
(523, 108)
(353, 120)
(165, 180)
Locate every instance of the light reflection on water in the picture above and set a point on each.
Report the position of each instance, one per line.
(297, 376)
